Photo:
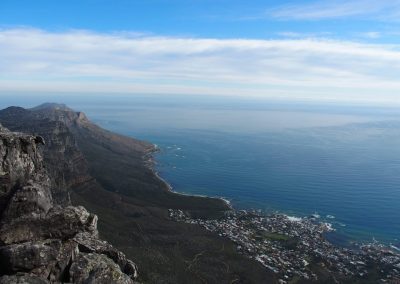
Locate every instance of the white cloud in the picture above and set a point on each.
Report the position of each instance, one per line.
(319, 10)
(371, 35)
(302, 35)
(79, 61)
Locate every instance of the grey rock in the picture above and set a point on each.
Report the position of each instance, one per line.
(23, 278)
(41, 240)
(40, 140)
(66, 255)
(20, 161)
(89, 244)
(32, 200)
(30, 255)
(97, 268)
(59, 222)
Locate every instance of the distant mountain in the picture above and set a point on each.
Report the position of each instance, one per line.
(112, 176)
(51, 106)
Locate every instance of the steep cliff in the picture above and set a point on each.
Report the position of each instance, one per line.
(42, 241)
(63, 160)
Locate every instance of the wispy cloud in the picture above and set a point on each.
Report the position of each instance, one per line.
(297, 35)
(371, 35)
(320, 10)
(37, 60)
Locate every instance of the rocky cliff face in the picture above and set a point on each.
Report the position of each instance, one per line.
(63, 160)
(42, 241)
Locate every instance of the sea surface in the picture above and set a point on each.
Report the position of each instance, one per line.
(340, 162)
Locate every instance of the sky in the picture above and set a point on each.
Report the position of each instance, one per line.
(332, 50)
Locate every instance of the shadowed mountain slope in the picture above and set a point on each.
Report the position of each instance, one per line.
(111, 175)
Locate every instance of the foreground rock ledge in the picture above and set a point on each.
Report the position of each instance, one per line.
(41, 242)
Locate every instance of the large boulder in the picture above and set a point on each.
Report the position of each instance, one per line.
(59, 222)
(30, 201)
(29, 256)
(97, 268)
(89, 244)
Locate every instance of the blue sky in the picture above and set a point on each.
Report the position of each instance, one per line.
(211, 18)
(320, 50)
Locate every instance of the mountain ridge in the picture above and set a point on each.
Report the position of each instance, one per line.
(111, 176)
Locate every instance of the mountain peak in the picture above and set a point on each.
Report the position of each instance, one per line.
(14, 110)
(51, 106)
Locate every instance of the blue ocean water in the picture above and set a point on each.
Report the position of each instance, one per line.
(342, 162)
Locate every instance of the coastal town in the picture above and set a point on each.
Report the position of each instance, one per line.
(295, 248)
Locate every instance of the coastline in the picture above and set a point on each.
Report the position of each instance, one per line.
(335, 235)
(150, 162)
(290, 246)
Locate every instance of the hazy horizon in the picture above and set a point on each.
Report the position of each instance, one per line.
(343, 51)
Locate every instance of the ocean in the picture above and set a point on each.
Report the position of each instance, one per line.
(341, 162)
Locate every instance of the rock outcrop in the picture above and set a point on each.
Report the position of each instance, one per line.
(43, 241)
(62, 158)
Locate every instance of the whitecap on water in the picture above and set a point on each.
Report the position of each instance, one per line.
(329, 227)
(315, 215)
(395, 248)
(294, 219)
